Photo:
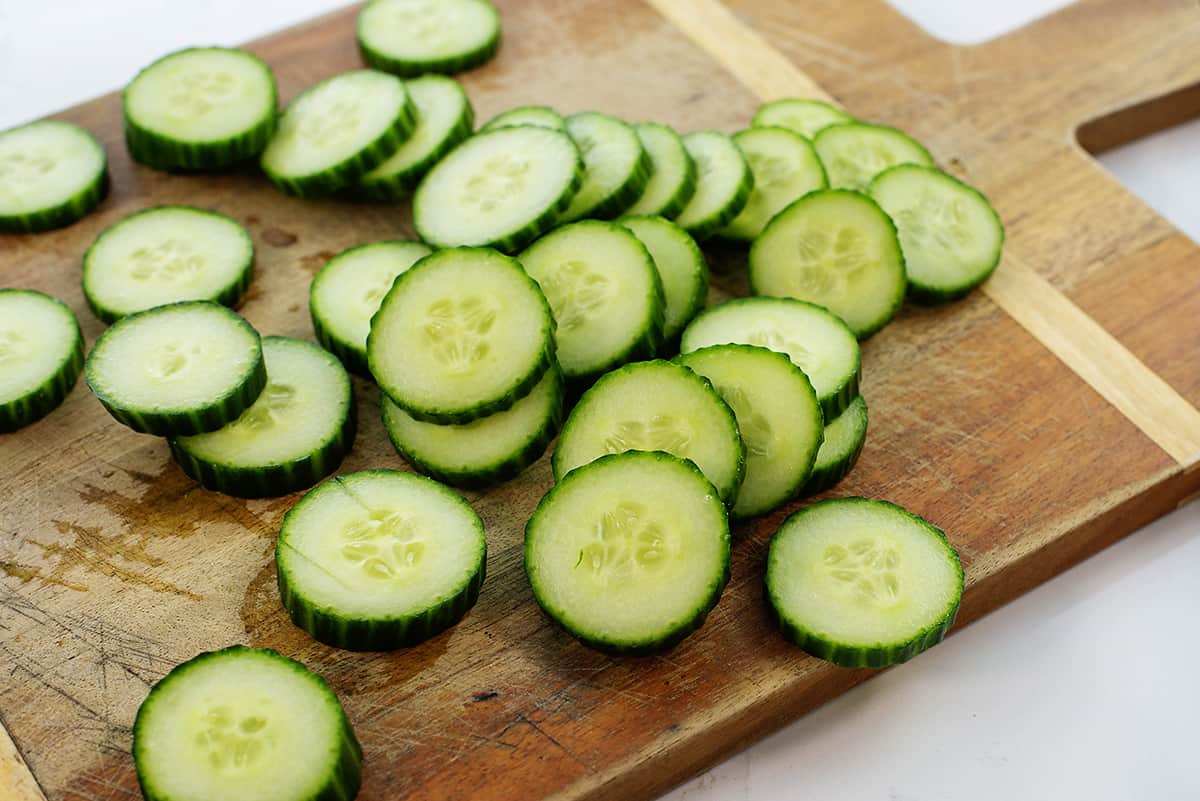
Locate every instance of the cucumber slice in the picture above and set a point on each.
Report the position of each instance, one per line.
(844, 438)
(444, 119)
(244, 724)
(681, 267)
(183, 368)
(486, 451)
(862, 583)
(347, 292)
(165, 255)
(202, 108)
(295, 434)
(540, 116)
(412, 37)
(777, 414)
(723, 184)
(337, 131)
(51, 174)
(951, 236)
(835, 248)
(805, 117)
(464, 334)
(379, 560)
(616, 166)
(818, 342)
(629, 553)
(785, 167)
(673, 175)
(501, 188)
(855, 152)
(655, 406)
(41, 356)
(605, 294)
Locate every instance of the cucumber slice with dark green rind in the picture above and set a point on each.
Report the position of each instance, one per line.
(835, 248)
(41, 356)
(785, 167)
(540, 116)
(855, 152)
(818, 341)
(950, 234)
(201, 108)
(486, 451)
(862, 583)
(347, 292)
(308, 154)
(723, 184)
(681, 267)
(226, 724)
(434, 345)
(444, 119)
(844, 439)
(52, 174)
(673, 176)
(265, 452)
(379, 560)
(616, 166)
(159, 348)
(805, 116)
(609, 562)
(482, 194)
(411, 38)
(167, 254)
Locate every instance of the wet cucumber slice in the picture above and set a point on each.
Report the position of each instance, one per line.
(378, 560)
(785, 167)
(616, 166)
(680, 265)
(41, 356)
(835, 248)
(723, 184)
(804, 116)
(855, 152)
(951, 236)
(244, 724)
(673, 175)
(862, 583)
(539, 116)
(630, 553)
(844, 438)
(51, 174)
(412, 37)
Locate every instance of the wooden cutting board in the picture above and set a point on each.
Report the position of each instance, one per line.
(1036, 421)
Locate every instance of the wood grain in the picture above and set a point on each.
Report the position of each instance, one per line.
(114, 566)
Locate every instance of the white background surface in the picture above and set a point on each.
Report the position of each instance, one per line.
(1082, 690)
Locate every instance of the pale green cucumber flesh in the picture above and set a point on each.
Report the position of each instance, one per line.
(681, 267)
(673, 176)
(52, 173)
(540, 116)
(414, 37)
(804, 116)
(616, 166)
(785, 167)
(844, 438)
(723, 184)
(855, 152)
(41, 356)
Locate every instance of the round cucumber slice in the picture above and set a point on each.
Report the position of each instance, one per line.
(681, 267)
(379, 560)
(785, 167)
(844, 438)
(51, 174)
(540, 116)
(804, 116)
(723, 184)
(673, 175)
(412, 37)
(629, 553)
(616, 167)
(862, 583)
(855, 152)
(244, 724)
(41, 356)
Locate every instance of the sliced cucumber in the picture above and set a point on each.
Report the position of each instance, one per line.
(616, 166)
(203, 108)
(444, 119)
(51, 174)
(655, 406)
(540, 116)
(295, 434)
(777, 414)
(378, 560)
(862, 583)
(41, 355)
(673, 176)
(502, 188)
(681, 267)
(464, 334)
(244, 724)
(629, 553)
(723, 183)
(347, 292)
(412, 37)
(835, 248)
(844, 438)
(183, 368)
(951, 236)
(605, 294)
(786, 168)
(855, 152)
(486, 451)
(817, 342)
(165, 255)
(804, 116)
(337, 131)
